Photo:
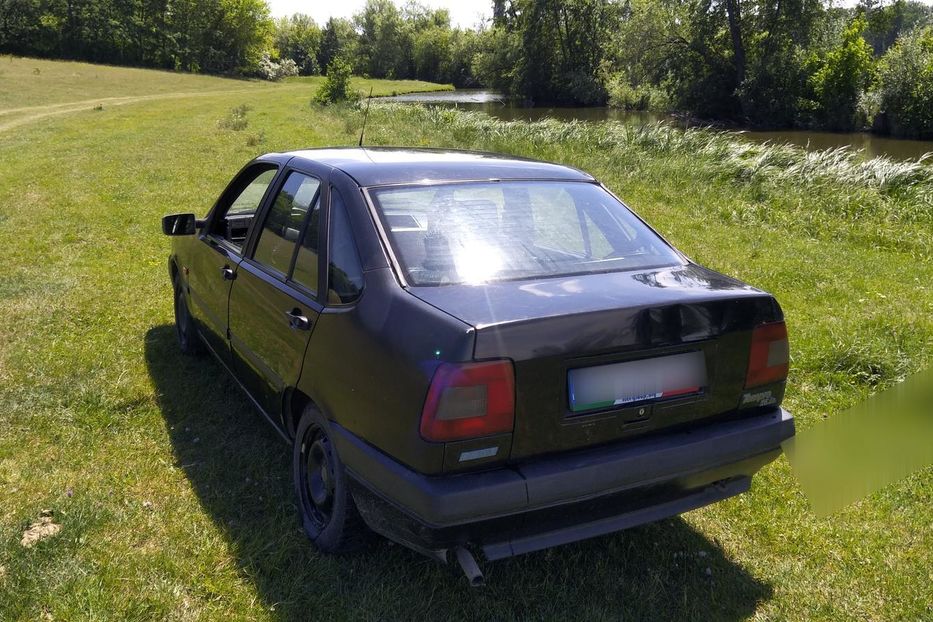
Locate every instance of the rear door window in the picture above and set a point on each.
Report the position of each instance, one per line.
(307, 261)
(282, 229)
(344, 272)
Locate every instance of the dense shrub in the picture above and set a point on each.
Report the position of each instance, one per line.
(624, 95)
(906, 85)
(271, 70)
(336, 87)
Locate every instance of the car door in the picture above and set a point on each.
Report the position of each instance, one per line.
(274, 301)
(212, 265)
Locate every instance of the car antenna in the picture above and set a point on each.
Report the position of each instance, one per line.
(366, 115)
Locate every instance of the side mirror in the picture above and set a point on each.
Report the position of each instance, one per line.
(180, 224)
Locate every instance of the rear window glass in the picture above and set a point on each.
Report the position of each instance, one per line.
(482, 232)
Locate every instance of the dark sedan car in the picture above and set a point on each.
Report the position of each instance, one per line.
(473, 352)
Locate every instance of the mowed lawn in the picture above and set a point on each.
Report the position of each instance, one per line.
(174, 498)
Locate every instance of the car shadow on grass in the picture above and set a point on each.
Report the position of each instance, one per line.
(240, 470)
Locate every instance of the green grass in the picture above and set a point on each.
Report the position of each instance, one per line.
(174, 496)
(34, 89)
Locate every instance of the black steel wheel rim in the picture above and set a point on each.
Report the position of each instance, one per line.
(317, 482)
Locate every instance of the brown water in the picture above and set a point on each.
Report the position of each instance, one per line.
(493, 104)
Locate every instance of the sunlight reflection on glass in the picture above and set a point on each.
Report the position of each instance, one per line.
(478, 262)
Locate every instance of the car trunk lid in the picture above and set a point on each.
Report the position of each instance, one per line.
(602, 357)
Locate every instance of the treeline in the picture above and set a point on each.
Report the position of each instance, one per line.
(240, 37)
(384, 41)
(777, 63)
(213, 36)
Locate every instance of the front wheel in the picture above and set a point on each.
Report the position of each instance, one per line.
(328, 514)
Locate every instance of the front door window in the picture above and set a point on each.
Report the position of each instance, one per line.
(239, 205)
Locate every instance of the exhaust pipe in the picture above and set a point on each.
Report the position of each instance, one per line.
(468, 564)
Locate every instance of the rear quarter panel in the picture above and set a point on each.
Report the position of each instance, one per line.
(368, 367)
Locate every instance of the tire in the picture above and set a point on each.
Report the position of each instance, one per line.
(189, 342)
(328, 514)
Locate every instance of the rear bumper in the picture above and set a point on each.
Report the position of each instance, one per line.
(563, 498)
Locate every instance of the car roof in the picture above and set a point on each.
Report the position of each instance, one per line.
(379, 166)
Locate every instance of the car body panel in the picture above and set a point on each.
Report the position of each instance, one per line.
(562, 499)
(549, 326)
(376, 386)
(267, 352)
(508, 302)
(209, 292)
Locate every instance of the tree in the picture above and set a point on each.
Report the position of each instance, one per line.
(338, 40)
(887, 23)
(840, 77)
(432, 54)
(384, 49)
(550, 51)
(194, 35)
(496, 61)
(464, 45)
(906, 85)
(299, 38)
(741, 59)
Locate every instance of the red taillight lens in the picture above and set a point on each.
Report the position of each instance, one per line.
(469, 400)
(769, 358)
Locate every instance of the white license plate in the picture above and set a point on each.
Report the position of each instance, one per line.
(605, 386)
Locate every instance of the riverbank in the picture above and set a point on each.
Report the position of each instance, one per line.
(868, 145)
(173, 497)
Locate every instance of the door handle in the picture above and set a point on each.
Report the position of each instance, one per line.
(297, 321)
(227, 273)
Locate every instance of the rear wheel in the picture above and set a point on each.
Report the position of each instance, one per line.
(328, 514)
(188, 340)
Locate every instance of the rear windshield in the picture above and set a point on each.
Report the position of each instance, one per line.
(482, 232)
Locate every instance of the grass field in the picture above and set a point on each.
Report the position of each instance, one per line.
(172, 495)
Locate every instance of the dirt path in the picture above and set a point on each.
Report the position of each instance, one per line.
(34, 113)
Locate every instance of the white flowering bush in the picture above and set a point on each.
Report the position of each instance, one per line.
(271, 70)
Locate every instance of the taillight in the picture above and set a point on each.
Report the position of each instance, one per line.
(769, 358)
(469, 400)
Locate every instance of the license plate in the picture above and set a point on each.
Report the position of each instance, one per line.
(605, 386)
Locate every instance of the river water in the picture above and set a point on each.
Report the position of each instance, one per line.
(493, 104)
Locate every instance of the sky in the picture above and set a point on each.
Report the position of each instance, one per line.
(463, 13)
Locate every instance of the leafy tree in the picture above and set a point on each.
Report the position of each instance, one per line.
(464, 45)
(194, 35)
(906, 85)
(247, 29)
(840, 77)
(431, 51)
(384, 48)
(887, 23)
(338, 40)
(496, 62)
(299, 38)
(740, 59)
(549, 51)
